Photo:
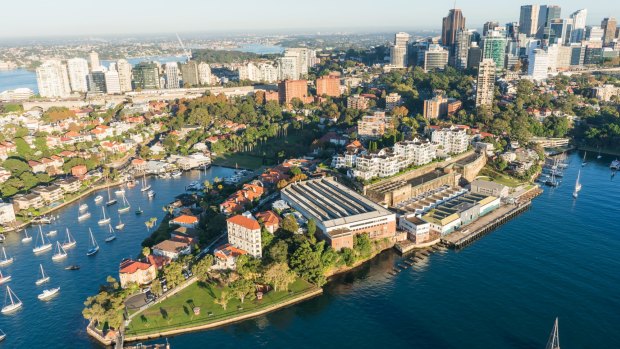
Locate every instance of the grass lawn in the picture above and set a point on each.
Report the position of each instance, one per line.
(238, 159)
(177, 311)
(500, 177)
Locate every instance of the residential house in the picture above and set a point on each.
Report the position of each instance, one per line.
(244, 232)
(270, 220)
(226, 257)
(49, 194)
(186, 221)
(172, 249)
(136, 272)
(26, 201)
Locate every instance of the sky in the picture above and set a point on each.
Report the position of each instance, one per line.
(43, 18)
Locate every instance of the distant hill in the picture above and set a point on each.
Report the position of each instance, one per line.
(221, 56)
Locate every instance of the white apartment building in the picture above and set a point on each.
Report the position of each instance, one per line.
(392, 101)
(244, 233)
(538, 65)
(95, 65)
(450, 140)
(124, 74)
(263, 72)
(398, 52)
(53, 79)
(288, 68)
(204, 74)
(112, 82)
(78, 74)
(7, 213)
(415, 152)
(172, 75)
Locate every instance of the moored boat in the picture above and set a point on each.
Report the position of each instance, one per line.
(72, 267)
(11, 304)
(4, 278)
(43, 279)
(48, 294)
(151, 194)
(98, 199)
(615, 165)
(94, 247)
(176, 174)
(5, 259)
(60, 252)
(43, 245)
(26, 238)
(84, 216)
(111, 236)
(105, 220)
(69, 242)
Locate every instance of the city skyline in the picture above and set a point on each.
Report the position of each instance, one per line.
(269, 17)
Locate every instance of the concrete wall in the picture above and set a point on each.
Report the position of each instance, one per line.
(471, 170)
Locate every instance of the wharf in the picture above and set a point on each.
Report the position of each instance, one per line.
(484, 225)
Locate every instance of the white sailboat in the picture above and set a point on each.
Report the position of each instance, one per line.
(2, 335)
(125, 207)
(111, 236)
(120, 224)
(105, 220)
(5, 260)
(43, 245)
(12, 303)
(554, 338)
(577, 185)
(60, 252)
(145, 186)
(51, 233)
(583, 163)
(111, 201)
(84, 216)
(26, 238)
(43, 279)
(94, 247)
(4, 278)
(98, 199)
(120, 191)
(70, 242)
(48, 294)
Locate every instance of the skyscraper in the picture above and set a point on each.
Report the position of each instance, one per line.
(538, 65)
(112, 82)
(189, 73)
(452, 23)
(551, 12)
(96, 82)
(124, 74)
(528, 19)
(146, 76)
(289, 67)
(172, 75)
(560, 31)
(94, 61)
(494, 47)
(609, 30)
(488, 26)
(579, 18)
(485, 88)
(204, 74)
(461, 49)
(436, 57)
(78, 74)
(474, 56)
(53, 79)
(302, 57)
(398, 52)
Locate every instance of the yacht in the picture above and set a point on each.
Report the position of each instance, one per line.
(111, 236)
(70, 242)
(2, 335)
(72, 267)
(125, 207)
(120, 192)
(139, 211)
(83, 207)
(151, 194)
(26, 238)
(105, 220)
(615, 165)
(43, 279)
(4, 278)
(48, 294)
(120, 224)
(5, 259)
(84, 216)
(43, 245)
(11, 303)
(51, 233)
(94, 247)
(145, 186)
(98, 199)
(60, 252)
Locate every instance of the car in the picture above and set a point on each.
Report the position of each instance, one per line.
(146, 290)
(164, 288)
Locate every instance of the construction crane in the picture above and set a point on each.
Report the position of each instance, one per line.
(187, 53)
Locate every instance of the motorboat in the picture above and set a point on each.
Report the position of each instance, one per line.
(139, 211)
(615, 165)
(120, 192)
(83, 207)
(151, 194)
(51, 233)
(72, 267)
(98, 199)
(48, 294)
(176, 174)
(84, 216)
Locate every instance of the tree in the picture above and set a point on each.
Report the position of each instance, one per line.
(156, 287)
(202, 267)
(279, 276)
(243, 289)
(173, 274)
(290, 225)
(223, 299)
(311, 227)
(146, 251)
(306, 261)
(279, 252)
(362, 246)
(296, 171)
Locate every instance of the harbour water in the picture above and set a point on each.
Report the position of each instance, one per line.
(557, 259)
(58, 323)
(560, 258)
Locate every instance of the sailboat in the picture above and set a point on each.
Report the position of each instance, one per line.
(4, 278)
(13, 302)
(51, 233)
(44, 245)
(139, 211)
(105, 220)
(83, 208)
(599, 154)
(120, 224)
(577, 185)
(5, 260)
(554, 338)
(43, 279)
(151, 194)
(98, 199)
(111, 201)
(120, 191)
(145, 186)
(125, 207)
(26, 238)
(111, 235)
(60, 252)
(70, 242)
(583, 163)
(48, 294)
(94, 247)
(2, 335)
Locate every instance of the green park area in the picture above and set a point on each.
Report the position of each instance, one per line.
(177, 312)
(492, 175)
(240, 160)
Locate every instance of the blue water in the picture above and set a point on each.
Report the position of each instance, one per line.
(261, 49)
(59, 323)
(560, 258)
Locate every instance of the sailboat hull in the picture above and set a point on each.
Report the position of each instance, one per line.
(69, 245)
(6, 262)
(5, 279)
(43, 248)
(11, 308)
(92, 251)
(58, 257)
(104, 221)
(41, 281)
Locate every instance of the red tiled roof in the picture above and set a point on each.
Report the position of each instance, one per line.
(130, 266)
(185, 219)
(245, 222)
(269, 218)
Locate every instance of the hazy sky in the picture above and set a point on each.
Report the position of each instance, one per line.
(39, 18)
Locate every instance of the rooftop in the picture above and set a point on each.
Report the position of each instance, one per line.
(244, 221)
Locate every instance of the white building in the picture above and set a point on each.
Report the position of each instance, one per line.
(263, 72)
(78, 74)
(95, 65)
(172, 75)
(18, 94)
(417, 228)
(124, 74)
(7, 213)
(451, 140)
(436, 57)
(244, 233)
(112, 82)
(53, 79)
(538, 65)
(204, 74)
(288, 68)
(398, 52)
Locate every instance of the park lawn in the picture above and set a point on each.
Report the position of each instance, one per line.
(177, 311)
(500, 177)
(238, 159)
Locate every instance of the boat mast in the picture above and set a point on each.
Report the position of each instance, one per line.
(554, 338)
